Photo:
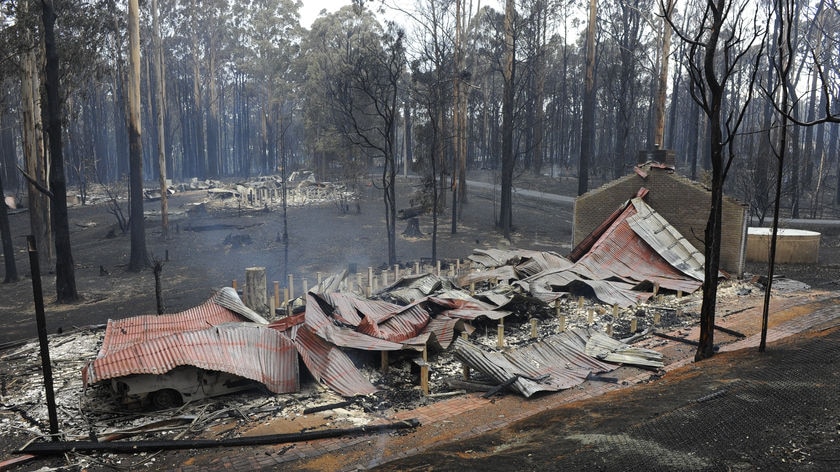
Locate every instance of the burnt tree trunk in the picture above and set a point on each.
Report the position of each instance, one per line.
(65, 277)
(139, 257)
(6, 234)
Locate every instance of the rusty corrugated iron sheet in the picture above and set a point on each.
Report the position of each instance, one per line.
(398, 328)
(621, 252)
(504, 274)
(125, 332)
(245, 349)
(317, 319)
(443, 330)
(329, 364)
(350, 309)
(466, 308)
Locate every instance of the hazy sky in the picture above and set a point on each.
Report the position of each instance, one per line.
(310, 9)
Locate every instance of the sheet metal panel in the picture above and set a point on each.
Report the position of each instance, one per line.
(542, 261)
(503, 274)
(491, 257)
(249, 350)
(601, 346)
(350, 308)
(228, 298)
(404, 325)
(329, 364)
(320, 323)
(125, 332)
(621, 252)
(555, 363)
(443, 330)
(532, 377)
(666, 240)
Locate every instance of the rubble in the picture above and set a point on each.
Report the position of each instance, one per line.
(509, 315)
(96, 412)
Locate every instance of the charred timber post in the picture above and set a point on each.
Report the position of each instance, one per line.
(277, 292)
(133, 447)
(464, 365)
(41, 321)
(424, 372)
(255, 290)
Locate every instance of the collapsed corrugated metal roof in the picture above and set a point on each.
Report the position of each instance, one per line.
(221, 308)
(623, 252)
(329, 364)
(555, 363)
(460, 305)
(316, 318)
(634, 248)
(248, 350)
(415, 287)
(374, 325)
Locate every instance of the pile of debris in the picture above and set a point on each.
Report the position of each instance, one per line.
(524, 321)
(266, 192)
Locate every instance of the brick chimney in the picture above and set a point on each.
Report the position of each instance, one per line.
(661, 156)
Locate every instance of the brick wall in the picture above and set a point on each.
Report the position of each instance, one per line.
(685, 204)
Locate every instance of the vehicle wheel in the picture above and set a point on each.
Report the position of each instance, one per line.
(166, 398)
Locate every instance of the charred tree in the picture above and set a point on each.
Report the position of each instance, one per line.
(508, 156)
(718, 44)
(65, 276)
(160, 105)
(6, 234)
(139, 258)
(587, 128)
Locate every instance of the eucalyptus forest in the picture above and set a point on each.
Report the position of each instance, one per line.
(744, 92)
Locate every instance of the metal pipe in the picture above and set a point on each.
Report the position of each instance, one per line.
(132, 447)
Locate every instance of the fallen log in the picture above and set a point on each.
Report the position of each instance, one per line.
(131, 447)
